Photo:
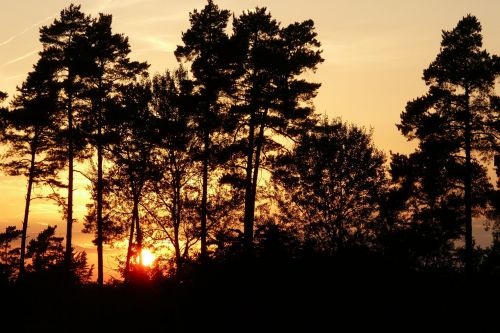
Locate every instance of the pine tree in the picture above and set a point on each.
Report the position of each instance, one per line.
(108, 71)
(9, 257)
(28, 132)
(132, 158)
(206, 48)
(62, 49)
(458, 108)
(273, 100)
(172, 203)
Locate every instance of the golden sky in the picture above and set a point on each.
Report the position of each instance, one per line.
(374, 53)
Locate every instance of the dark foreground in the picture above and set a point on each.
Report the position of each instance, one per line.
(308, 297)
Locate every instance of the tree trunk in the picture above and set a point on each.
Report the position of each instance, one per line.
(138, 229)
(248, 221)
(204, 199)
(69, 221)
(129, 250)
(176, 221)
(259, 144)
(468, 189)
(177, 247)
(26, 213)
(100, 259)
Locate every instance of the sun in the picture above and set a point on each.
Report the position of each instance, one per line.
(147, 257)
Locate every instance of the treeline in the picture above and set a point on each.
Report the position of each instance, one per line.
(224, 158)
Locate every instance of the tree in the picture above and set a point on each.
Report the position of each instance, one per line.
(9, 257)
(48, 258)
(273, 99)
(333, 178)
(28, 132)
(206, 48)
(171, 202)
(46, 250)
(459, 107)
(427, 222)
(108, 71)
(132, 158)
(62, 49)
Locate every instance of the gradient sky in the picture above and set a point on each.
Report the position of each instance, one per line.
(374, 53)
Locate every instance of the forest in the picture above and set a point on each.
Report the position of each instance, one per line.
(239, 204)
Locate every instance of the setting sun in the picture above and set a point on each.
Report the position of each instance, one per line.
(147, 257)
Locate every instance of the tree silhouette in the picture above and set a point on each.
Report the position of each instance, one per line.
(46, 250)
(273, 100)
(28, 132)
(133, 164)
(108, 71)
(171, 202)
(9, 257)
(62, 49)
(48, 258)
(429, 184)
(459, 107)
(206, 48)
(333, 179)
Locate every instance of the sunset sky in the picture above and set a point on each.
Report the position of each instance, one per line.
(374, 53)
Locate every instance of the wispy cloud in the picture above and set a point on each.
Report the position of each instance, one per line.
(24, 56)
(156, 43)
(14, 77)
(175, 17)
(31, 27)
(115, 4)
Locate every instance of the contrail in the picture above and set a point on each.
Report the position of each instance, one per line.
(24, 56)
(34, 25)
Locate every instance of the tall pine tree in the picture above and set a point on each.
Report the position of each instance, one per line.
(273, 99)
(62, 43)
(458, 108)
(28, 131)
(206, 48)
(108, 71)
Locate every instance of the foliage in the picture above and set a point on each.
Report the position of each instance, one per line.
(9, 256)
(455, 123)
(333, 178)
(224, 164)
(47, 259)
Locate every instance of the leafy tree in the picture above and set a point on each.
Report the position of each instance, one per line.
(172, 199)
(133, 164)
(333, 179)
(28, 133)
(206, 48)
(108, 71)
(273, 98)
(9, 257)
(62, 43)
(459, 107)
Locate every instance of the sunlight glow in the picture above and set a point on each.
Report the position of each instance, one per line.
(147, 257)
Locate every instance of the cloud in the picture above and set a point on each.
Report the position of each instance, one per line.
(176, 17)
(14, 77)
(33, 26)
(24, 56)
(115, 4)
(157, 44)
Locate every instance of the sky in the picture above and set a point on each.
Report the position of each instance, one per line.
(375, 52)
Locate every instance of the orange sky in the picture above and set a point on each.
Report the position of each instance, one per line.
(374, 53)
